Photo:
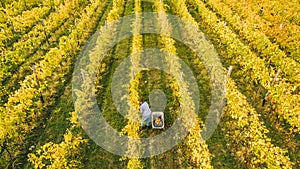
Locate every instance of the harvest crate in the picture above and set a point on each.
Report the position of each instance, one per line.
(157, 120)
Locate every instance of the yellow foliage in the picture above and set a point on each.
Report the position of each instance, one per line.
(57, 156)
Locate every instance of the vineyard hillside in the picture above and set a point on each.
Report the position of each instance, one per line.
(225, 75)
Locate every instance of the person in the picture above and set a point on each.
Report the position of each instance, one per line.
(146, 113)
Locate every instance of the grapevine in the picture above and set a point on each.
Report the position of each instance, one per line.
(240, 54)
(259, 129)
(199, 155)
(24, 106)
(255, 42)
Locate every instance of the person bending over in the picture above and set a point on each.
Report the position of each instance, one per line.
(146, 113)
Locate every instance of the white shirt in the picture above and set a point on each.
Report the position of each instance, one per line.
(145, 110)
